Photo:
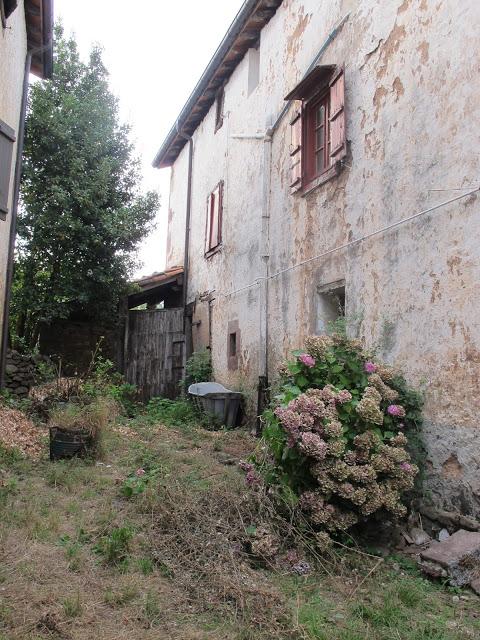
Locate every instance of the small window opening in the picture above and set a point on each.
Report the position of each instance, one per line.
(253, 67)
(219, 104)
(232, 345)
(330, 305)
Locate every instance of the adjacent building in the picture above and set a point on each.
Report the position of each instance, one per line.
(25, 46)
(327, 165)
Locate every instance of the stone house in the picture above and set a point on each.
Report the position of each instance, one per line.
(326, 164)
(25, 46)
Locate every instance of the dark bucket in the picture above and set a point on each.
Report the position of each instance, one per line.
(67, 444)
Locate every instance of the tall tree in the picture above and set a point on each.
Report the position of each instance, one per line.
(82, 214)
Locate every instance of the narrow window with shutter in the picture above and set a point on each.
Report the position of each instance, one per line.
(213, 235)
(318, 128)
(7, 140)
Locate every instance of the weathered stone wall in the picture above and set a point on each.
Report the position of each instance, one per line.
(413, 109)
(20, 373)
(13, 48)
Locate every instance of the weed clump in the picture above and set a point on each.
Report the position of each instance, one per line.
(115, 547)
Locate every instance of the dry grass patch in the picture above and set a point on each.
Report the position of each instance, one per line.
(187, 556)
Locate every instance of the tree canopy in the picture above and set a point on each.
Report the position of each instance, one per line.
(82, 213)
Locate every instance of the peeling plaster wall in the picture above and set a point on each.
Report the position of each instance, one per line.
(413, 112)
(13, 48)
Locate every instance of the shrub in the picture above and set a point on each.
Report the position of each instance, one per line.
(198, 368)
(334, 442)
(175, 413)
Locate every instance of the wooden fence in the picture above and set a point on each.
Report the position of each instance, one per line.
(154, 352)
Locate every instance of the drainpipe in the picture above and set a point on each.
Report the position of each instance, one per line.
(263, 379)
(186, 254)
(263, 374)
(13, 223)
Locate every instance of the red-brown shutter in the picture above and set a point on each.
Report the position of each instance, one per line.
(220, 212)
(338, 140)
(213, 235)
(208, 231)
(296, 148)
(214, 217)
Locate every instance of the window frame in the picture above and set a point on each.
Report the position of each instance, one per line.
(233, 359)
(311, 172)
(327, 82)
(210, 249)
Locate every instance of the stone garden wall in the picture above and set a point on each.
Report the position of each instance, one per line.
(20, 373)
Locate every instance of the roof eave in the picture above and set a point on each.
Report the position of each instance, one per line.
(242, 33)
(39, 20)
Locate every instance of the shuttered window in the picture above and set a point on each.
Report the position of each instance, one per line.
(317, 128)
(7, 140)
(213, 234)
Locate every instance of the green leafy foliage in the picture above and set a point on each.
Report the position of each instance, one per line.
(334, 441)
(137, 482)
(82, 214)
(198, 367)
(115, 546)
(175, 413)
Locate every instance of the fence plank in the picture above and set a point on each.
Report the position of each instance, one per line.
(154, 354)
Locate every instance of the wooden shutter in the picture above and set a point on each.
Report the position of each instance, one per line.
(7, 139)
(338, 140)
(208, 231)
(296, 148)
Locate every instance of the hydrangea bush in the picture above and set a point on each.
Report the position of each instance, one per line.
(335, 441)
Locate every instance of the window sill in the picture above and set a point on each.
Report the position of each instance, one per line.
(212, 252)
(321, 179)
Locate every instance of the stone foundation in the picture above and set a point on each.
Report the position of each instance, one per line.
(452, 479)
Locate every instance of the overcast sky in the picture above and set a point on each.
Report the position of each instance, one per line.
(155, 52)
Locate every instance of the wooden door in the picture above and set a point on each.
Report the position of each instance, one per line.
(154, 352)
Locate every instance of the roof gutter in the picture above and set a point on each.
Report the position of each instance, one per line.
(230, 37)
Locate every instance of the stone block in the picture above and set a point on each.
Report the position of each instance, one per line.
(459, 555)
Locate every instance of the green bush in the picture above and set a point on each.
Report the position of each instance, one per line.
(175, 413)
(334, 442)
(198, 368)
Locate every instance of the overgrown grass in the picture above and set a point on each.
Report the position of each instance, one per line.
(82, 559)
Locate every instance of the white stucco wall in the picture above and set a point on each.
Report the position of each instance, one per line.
(413, 116)
(13, 47)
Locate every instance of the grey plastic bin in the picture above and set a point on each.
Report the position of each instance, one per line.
(214, 399)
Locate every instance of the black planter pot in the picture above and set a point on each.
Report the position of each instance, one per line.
(68, 444)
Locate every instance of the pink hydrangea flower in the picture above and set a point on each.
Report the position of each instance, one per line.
(396, 410)
(370, 367)
(307, 360)
(140, 472)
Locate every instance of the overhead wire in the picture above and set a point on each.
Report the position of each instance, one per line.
(349, 244)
